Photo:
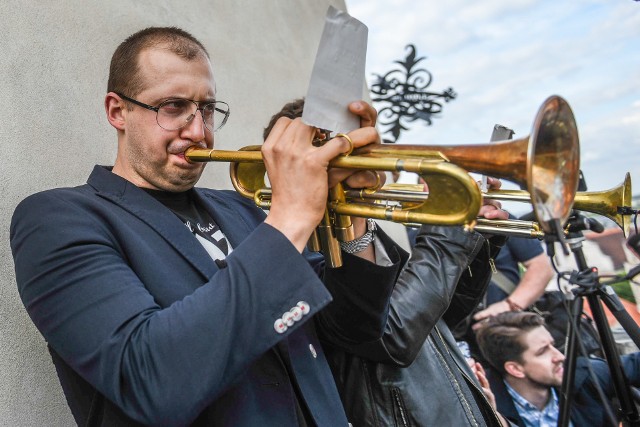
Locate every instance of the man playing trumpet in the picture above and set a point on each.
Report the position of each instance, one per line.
(166, 304)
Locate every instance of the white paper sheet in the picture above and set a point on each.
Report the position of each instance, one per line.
(337, 78)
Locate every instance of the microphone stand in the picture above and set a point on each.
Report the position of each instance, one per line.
(589, 287)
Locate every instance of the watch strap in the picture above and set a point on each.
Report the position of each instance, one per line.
(362, 242)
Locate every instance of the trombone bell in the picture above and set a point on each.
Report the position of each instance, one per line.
(608, 203)
(547, 162)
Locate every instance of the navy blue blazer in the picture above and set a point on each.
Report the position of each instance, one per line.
(145, 328)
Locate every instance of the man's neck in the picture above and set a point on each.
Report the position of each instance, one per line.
(536, 394)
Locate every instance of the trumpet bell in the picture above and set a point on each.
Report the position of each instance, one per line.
(613, 203)
(608, 203)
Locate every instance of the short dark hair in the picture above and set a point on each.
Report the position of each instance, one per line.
(291, 110)
(500, 337)
(124, 74)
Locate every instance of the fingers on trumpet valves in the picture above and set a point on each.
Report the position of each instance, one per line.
(368, 181)
(348, 139)
(492, 202)
(379, 182)
(492, 209)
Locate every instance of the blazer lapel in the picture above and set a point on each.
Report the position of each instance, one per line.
(230, 220)
(138, 203)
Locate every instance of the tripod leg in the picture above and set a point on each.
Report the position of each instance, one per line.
(613, 303)
(618, 377)
(570, 353)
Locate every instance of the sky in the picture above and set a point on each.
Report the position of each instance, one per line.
(504, 58)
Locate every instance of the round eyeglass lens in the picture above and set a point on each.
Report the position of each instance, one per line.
(177, 113)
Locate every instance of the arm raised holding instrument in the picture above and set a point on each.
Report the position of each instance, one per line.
(300, 176)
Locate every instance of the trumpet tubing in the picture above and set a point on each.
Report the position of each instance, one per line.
(454, 197)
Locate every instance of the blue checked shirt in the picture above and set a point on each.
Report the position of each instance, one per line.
(532, 416)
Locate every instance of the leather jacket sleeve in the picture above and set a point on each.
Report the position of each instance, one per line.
(473, 283)
(424, 290)
(361, 292)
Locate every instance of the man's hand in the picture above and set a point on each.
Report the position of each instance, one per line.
(492, 209)
(300, 177)
(361, 178)
(492, 310)
(366, 134)
(531, 287)
(481, 375)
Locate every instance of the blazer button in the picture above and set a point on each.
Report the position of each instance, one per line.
(296, 312)
(313, 351)
(279, 326)
(287, 318)
(304, 306)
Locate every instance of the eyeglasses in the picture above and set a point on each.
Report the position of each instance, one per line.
(176, 113)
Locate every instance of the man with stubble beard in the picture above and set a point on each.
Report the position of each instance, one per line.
(167, 304)
(529, 370)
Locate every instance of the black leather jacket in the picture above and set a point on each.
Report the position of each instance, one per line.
(410, 372)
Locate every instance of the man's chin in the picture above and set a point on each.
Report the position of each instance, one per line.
(181, 182)
(186, 184)
(558, 378)
(547, 382)
(557, 383)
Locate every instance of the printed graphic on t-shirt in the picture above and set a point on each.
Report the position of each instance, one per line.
(211, 238)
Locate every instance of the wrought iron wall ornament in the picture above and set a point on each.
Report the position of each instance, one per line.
(404, 98)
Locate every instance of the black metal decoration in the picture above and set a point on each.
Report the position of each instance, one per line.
(404, 98)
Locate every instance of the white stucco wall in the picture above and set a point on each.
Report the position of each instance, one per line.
(54, 59)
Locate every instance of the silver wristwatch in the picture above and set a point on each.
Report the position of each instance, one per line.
(362, 242)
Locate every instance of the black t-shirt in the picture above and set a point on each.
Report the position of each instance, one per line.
(197, 220)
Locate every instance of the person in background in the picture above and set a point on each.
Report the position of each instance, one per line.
(509, 290)
(165, 304)
(528, 370)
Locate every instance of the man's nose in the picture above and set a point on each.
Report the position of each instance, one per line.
(558, 356)
(195, 127)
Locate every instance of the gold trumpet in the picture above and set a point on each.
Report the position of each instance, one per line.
(609, 203)
(546, 163)
(455, 199)
(455, 196)
(408, 196)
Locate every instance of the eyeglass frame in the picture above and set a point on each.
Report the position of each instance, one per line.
(198, 108)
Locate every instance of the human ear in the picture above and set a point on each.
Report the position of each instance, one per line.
(514, 369)
(115, 108)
